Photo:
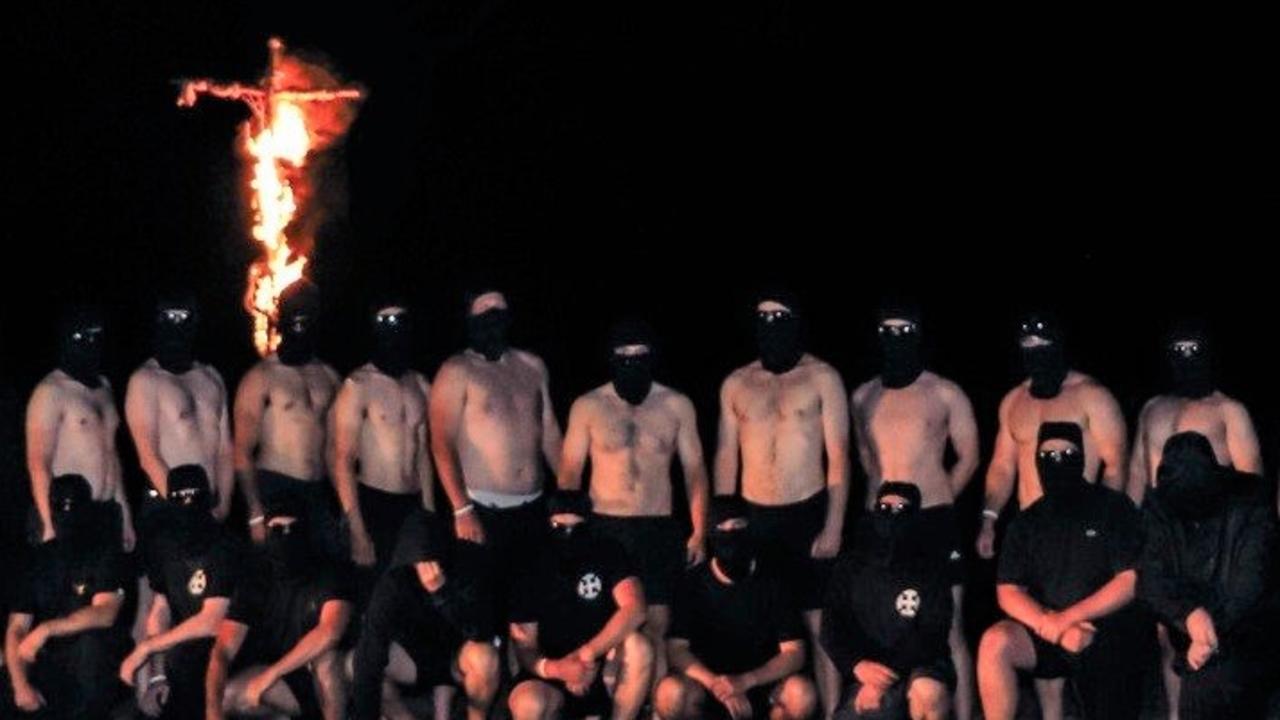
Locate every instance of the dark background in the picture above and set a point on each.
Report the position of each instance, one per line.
(667, 159)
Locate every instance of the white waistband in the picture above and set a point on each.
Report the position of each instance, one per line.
(501, 501)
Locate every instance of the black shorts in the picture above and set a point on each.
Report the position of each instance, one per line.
(1107, 676)
(784, 536)
(433, 662)
(384, 513)
(323, 512)
(655, 548)
(595, 702)
(940, 537)
(894, 702)
(515, 536)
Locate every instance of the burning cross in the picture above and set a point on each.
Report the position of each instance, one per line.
(280, 140)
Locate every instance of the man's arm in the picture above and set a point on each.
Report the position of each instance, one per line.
(696, 484)
(141, 412)
(115, 476)
(841, 635)
(1001, 474)
(551, 437)
(1018, 604)
(231, 635)
(684, 661)
(448, 398)
(577, 445)
(835, 437)
(224, 463)
(422, 452)
(1242, 439)
(789, 660)
(334, 617)
(101, 612)
(1255, 554)
(203, 624)
(1110, 438)
(43, 418)
(373, 648)
(18, 627)
(962, 430)
(727, 460)
(250, 404)
(630, 615)
(345, 420)
(857, 422)
(1117, 593)
(1139, 472)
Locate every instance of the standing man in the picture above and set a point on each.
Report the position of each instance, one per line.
(780, 418)
(631, 429)
(903, 421)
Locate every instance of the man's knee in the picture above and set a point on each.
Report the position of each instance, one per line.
(532, 700)
(998, 644)
(797, 697)
(674, 698)
(480, 663)
(927, 699)
(637, 652)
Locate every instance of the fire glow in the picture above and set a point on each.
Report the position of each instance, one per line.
(288, 123)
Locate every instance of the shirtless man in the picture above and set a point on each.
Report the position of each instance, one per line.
(71, 426)
(381, 465)
(902, 421)
(176, 410)
(778, 417)
(280, 416)
(631, 429)
(1052, 393)
(491, 417)
(1194, 404)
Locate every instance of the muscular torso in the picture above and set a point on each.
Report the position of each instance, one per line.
(392, 429)
(189, 410)
(903, 433)
(1026, 413)
(83, 442)
(780, 432)
(292, 432)
(1168, 415)
(500, 431)
(631, 449)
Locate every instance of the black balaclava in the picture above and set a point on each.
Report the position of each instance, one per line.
(80, 340)
(392, 339)
(191, 523)
(71, 511)
(779, 334)
(1190, 361)
(901, 360)
(897, 529)
(632, 374)
(299, 318)
(569, 542)
(1046, 365)
(177, 320)
(1189, 479)
(487, 332)
(288, 543)
(733, 550)
(1061, 471)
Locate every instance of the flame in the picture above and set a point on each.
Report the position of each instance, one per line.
(276, 149)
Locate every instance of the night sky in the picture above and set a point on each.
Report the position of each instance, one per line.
(663, 159)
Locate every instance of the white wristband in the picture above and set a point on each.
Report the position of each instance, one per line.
(257, 520)
(989, 513)
(154, 679)
(540, 668)
(464, 510)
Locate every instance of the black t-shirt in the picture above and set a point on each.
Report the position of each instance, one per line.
(279, 612)
(188, 576)
(733, 628)
(58, 583)
(571, 600)
(896, 615)
(1062, 553)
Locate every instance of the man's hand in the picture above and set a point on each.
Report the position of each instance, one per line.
(1198, 655)
(873, 673)
(1051, 627)
(258, 532)
(868, 699)
(986, 544)
(695, 550)
(257, 687)
(152, 701)
(362, 552)
(27, 698)
(576, 674)
(431, 575)
(1078, 637)
(33, 643)
(468, 527)
(826, 545)
(1200, 628)
(738, 706)
(129, 668)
